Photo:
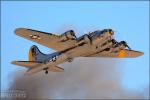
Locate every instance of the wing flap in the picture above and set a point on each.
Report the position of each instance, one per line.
(27, 64)
(121, 54)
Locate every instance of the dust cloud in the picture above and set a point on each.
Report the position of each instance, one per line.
(84, 78)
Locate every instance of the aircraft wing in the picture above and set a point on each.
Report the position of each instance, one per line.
(121, 54)
(47, 39)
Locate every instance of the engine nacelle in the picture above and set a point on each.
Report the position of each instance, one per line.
(84, 39)
(68, 35)
(87, 39)
(120, 46)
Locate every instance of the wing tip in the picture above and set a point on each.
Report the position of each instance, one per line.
(18, 30)
(140, 54)
(135, 54)
(13, 62)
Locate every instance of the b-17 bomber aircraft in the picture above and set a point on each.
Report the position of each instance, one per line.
(99, 43)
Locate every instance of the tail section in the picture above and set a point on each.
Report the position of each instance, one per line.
(38, 61)
(35, 54)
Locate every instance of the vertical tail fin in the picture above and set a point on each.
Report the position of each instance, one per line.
(35, 54)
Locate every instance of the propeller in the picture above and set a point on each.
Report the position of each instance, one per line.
(116, 44)
(72, 33)
(114, 41)
(125, 44)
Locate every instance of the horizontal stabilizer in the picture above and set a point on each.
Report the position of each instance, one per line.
(55, 69)
(28, 64)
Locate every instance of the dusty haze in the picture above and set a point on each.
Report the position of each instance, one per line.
(84, 78)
